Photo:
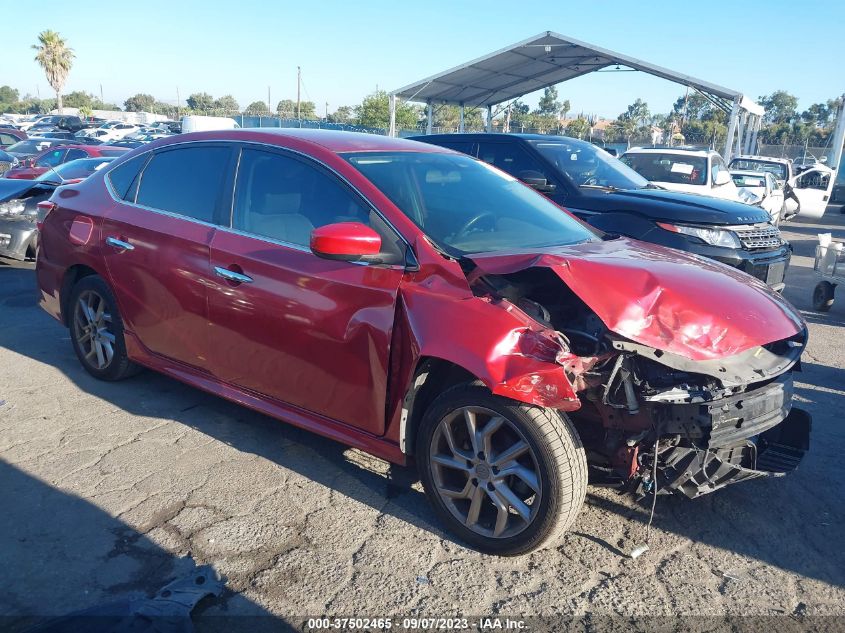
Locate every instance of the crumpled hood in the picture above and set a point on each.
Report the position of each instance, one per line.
(666, 299)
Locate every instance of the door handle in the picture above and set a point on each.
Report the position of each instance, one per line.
(119, 244)
(231, 275)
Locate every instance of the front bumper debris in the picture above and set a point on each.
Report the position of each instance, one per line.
(694, 471)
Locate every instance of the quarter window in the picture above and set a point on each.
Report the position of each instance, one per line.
(123, 177)
(186, 181)
(73, 154)
(284, 198)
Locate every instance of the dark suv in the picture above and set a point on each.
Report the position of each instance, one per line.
(55, 123)
(601, 190)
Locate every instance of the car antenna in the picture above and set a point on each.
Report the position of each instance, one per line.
(639, 550)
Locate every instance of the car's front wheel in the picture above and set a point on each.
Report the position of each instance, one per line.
(96, 330)
(504, 476)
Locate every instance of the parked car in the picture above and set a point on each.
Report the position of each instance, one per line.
(9, 136)
(314, 283)
(764, 186)
(55, 123)
(688, 170)
(19, 211)
(614, 198)
(113, 130)
(126, 143)
(54, 156)
(32, 146)
(27, 122)
(7, 162)
(86, 139)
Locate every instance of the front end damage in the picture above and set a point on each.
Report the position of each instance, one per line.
(717, 415)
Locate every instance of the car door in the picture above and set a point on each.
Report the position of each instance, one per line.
(812, 188)
(311, 332)
(156, 242)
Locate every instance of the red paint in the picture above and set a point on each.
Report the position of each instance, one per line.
(345, 239)
(80, 230)
(332, 346)
(667, 299)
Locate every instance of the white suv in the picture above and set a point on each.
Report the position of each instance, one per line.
(684, 169)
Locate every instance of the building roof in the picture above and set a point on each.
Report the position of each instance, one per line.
(538, 62)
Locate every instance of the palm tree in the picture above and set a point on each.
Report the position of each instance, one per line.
(56, 58)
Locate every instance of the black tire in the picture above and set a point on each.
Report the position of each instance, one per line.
(823, 296)
(118, 366)
(556, 451)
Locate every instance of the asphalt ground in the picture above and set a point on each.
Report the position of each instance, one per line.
(112, 490)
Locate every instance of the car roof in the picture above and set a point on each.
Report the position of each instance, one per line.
(750, 172)
(332, 140)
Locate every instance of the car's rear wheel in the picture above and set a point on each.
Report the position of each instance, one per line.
(96, 330)
(504, 476)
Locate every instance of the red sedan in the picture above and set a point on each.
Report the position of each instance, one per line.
(54, 156)
(419, 304)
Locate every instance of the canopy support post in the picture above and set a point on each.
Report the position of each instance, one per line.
(489, 122)
(429, 117)
(732, 125)
(392, 108)
(461, 124)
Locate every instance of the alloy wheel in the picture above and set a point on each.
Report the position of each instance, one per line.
(485, 472)
(92, 325)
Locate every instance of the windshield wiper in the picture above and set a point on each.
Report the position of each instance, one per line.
(602, 187)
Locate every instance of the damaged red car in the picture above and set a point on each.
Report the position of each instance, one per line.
(423, 306)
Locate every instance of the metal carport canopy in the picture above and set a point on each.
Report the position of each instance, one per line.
(538, 62)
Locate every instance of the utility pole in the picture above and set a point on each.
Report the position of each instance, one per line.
(269, 107)
(327, 111)
(102, 100)
(298, 81)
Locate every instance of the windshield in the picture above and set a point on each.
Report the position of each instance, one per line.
(466, 206)
(586, 165)
(80, 168)
(748, 180)
(778, 170)
(678, 169)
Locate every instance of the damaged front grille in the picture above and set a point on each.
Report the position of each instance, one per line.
(759, 237)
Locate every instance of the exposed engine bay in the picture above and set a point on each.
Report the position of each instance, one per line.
(707, 423)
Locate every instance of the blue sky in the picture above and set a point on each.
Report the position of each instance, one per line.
(346, 49)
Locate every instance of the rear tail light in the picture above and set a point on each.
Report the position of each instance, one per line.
(45, 206)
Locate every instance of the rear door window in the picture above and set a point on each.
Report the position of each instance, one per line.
(186, 181)
(464, 147)
(680, 169)
(73, 154)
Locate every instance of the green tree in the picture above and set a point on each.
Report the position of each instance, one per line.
(638, 112)
(9, 95)
(374, 111)
(449, 117)
(780, 107)
(344, 114)
(286, 108)
(227, 103)
(548, 104)
(256, 108)
(77, 99)
(691, 106)
(56, 58)
(818, 114)
(565, 107)
(85, 111)
(140, 103)
(200, 102)
(578, 128)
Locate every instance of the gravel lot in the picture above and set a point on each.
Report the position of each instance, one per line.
(112, 489)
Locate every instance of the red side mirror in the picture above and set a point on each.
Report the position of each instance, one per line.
(347, 241)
